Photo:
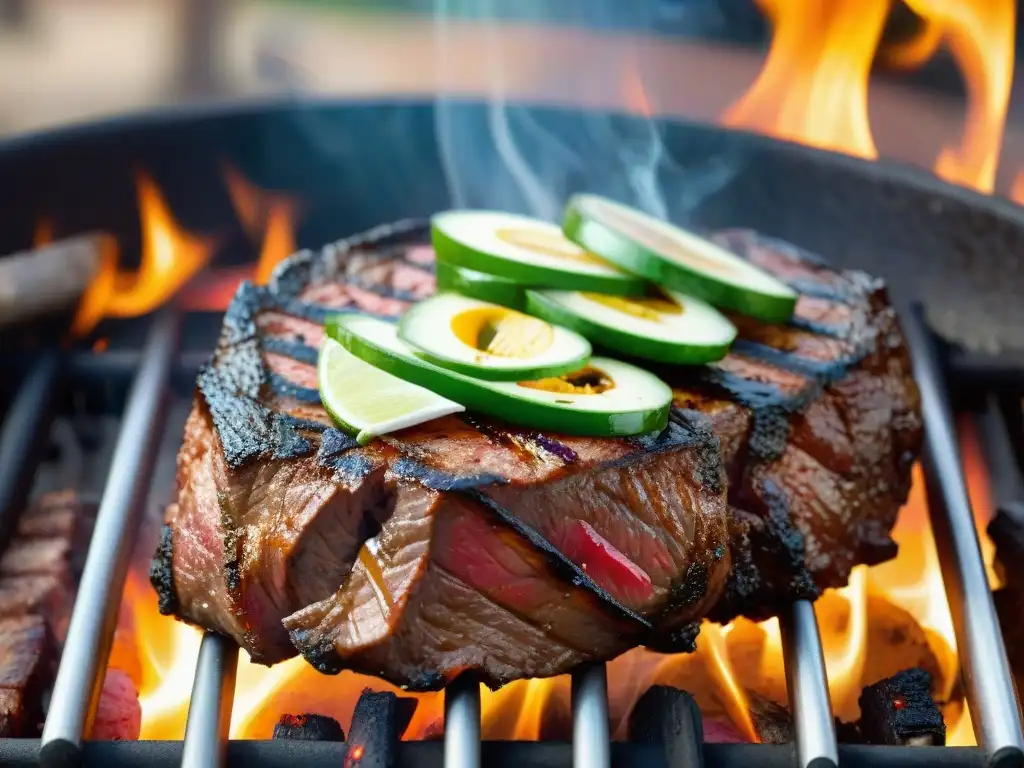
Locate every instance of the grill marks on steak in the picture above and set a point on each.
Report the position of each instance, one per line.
(818, 471)
(468, 544)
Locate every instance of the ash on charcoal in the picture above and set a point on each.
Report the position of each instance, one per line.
(900, 711)
(308, 727)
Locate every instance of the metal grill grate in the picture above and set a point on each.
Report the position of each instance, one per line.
(990, 691)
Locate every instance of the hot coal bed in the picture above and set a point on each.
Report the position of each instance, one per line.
(949, 255)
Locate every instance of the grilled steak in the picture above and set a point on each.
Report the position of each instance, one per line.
(469, 544)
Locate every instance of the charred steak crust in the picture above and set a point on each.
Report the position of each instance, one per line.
(814, 424)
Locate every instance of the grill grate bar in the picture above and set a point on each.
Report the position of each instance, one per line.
(462, 723)
(22, 438)
(83, 661)
(983, 662)
(809, 701)
(591, 737)
(209, 709)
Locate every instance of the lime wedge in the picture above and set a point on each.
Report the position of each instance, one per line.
(366, 401)
(607, 398)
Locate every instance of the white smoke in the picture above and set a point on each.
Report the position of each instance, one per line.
(529, 158)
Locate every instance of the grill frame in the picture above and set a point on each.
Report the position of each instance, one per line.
(205, 742)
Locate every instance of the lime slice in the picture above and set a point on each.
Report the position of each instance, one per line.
(529, 251)
(479, 285)
(489, 341)
(607, 398)
(367, 401)
(674, 258)
(674, 328)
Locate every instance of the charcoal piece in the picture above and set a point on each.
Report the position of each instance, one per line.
(900, 711)
(669, 717)
(772, 721)
(308, 727)
(848, 733)
(378, 722)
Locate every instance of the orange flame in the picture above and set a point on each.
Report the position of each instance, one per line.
(44, 232)
(980, 35)
(909, 625)
(170, 258)
(257, 210)
(813, 87)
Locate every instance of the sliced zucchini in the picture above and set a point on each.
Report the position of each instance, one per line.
(479, 285)
(366, 401)
(675, 258)
(529, 251)
(489, 341)
(674, 328)
(607, 398)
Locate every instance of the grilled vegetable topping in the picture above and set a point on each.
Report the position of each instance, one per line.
(480, 285)
(489, 341)
(528, 251)
(672, 328)
(674, 258)
(607, 398)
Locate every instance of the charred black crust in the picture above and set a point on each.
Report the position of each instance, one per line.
(232, 386)
(691, 589)
(161, 573)
(565, 568)
(320, 654)
(281, 386)
(339, 453)
(294, 349)
(438, 480)
(767, 562)
(681, 639)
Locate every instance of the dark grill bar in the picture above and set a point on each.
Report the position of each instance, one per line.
(90, 632)
(23, 753)
(985, 669)
(21, 439)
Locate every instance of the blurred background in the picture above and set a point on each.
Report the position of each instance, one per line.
(68, 60)
(941, 70)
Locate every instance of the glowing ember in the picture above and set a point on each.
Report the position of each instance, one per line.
(910, 626)
(43, 234)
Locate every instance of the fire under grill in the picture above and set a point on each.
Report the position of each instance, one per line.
(144, 374)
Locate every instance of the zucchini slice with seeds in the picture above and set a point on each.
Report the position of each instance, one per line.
(674, 328)
(489, 341)
(608, 398)
(526, 250)
(675, 258)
